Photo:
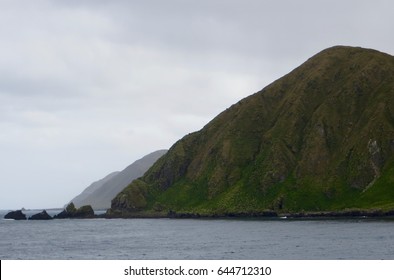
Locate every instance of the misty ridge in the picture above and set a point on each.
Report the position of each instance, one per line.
(100, 193)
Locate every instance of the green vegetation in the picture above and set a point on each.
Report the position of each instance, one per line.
(319, 139)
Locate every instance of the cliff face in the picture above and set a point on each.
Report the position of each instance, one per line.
(319, 138)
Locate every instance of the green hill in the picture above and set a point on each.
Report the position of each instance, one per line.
(321, 138)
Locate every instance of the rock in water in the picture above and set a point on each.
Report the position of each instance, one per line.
(85, 211)
(15, 215)
(66, 213)
(41, 216)
(62, 215)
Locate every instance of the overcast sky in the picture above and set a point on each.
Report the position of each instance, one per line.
(88, 87)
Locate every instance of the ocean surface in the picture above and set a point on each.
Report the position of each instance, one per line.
(278, 239)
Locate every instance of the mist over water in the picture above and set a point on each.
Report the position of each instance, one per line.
(196, 239)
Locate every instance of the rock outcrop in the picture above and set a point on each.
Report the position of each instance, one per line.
(15, 215)
(41, 216)
(71, 212)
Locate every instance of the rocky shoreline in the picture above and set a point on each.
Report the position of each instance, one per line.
(86, 212)
(268, 214)
(351, 213)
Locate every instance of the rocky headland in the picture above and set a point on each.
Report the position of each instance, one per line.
(316, 142)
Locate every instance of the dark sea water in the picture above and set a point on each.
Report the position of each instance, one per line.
(197, 239)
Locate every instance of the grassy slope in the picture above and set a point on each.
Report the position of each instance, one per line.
(320, 138)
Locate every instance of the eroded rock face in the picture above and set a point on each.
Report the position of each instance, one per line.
(15, 215)
(41, 216)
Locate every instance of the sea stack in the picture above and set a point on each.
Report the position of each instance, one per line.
(41, 216)
(15, 215)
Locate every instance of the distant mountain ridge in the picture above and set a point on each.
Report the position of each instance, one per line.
(321, 138)
(100, 193)
(86, 194)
